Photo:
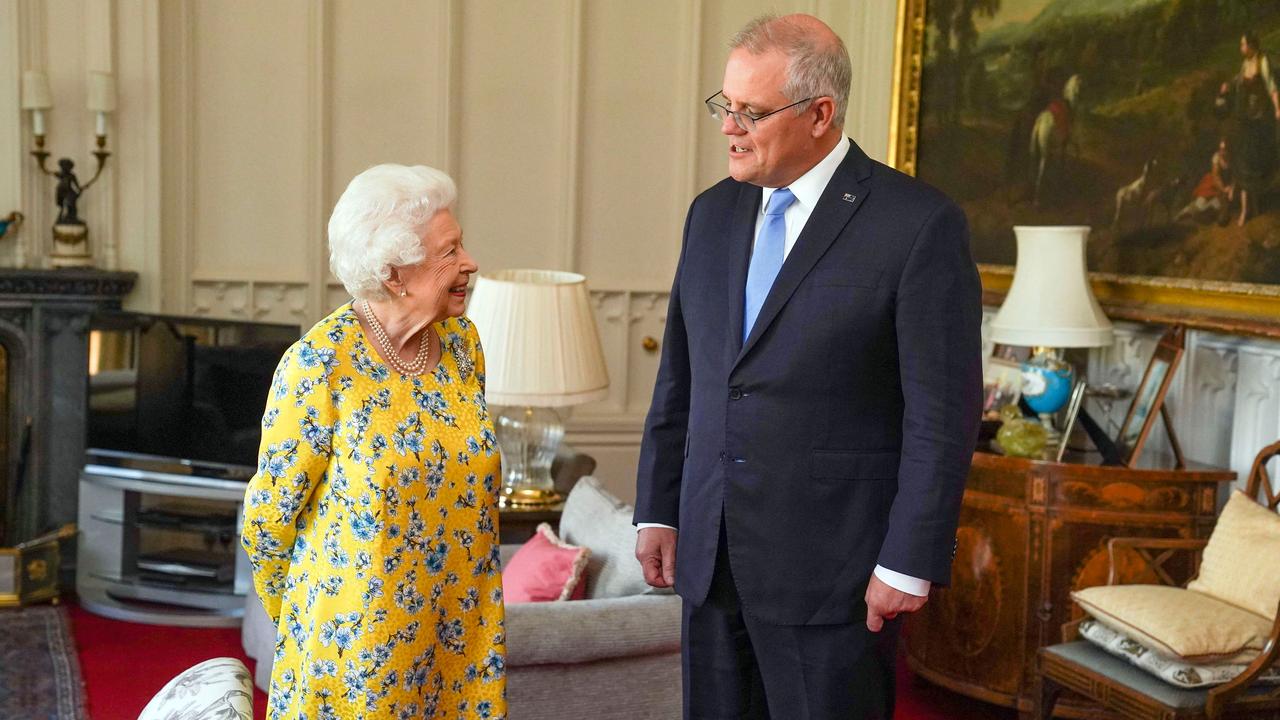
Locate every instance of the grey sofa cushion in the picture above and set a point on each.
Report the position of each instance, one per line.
(594, 518)
(579, 631)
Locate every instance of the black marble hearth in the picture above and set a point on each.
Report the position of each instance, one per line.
(44, 323)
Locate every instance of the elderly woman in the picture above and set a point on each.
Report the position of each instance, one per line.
(371, 522)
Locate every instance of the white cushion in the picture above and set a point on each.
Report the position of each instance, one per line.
(595, 519)
(213, 690)
(1173, 670)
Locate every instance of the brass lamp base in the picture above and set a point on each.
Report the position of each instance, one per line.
(529, 498)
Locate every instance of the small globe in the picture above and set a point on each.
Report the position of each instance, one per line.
(1046, 383)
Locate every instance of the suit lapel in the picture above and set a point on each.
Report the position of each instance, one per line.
(741, 236)
(840, 200)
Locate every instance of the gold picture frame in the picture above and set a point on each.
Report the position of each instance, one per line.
(1227, 307)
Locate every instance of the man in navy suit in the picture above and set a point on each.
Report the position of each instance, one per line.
(817, 401)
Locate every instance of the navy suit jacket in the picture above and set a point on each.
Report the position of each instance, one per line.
(839, 434)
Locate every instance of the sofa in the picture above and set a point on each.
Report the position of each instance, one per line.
(615, 654)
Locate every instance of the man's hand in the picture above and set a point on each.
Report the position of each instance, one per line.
(656, 551)
(886, 603)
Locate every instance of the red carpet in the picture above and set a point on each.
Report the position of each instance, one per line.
(125, 664)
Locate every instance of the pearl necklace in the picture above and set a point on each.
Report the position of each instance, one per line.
(419, 362)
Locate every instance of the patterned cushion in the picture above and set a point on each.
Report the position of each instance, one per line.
(1180, 622)
(1237, 566)
(217, 689)
(1166, 667)
(594, 518)
(544, 569)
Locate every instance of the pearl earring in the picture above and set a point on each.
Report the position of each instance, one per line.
(404, 293)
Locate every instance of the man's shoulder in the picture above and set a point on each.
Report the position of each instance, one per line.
(891, 185)
(723, 193)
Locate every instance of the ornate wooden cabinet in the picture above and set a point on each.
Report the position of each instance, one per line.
(1030, 532)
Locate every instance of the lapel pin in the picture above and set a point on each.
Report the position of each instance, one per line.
(850, 198)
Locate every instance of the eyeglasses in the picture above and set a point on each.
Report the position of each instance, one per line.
(744, 120)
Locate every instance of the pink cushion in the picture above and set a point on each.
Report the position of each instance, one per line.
(544, 569)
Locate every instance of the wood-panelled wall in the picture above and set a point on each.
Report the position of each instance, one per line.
(573, 127)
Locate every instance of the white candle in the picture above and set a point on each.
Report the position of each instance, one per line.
(37, 122)
(101, 126)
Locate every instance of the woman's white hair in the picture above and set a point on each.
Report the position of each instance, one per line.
(378, 221)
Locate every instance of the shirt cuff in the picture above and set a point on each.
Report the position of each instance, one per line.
(641, 526)
(903, 583)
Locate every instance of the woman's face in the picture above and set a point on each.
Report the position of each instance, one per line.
(1246, 49)
(437, 286)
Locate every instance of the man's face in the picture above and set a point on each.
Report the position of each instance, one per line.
(779, 149)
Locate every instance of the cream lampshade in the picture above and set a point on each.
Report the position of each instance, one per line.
(1050, 303)
(542, 351)
(1050, 306)
(35, 91)
(36, 98)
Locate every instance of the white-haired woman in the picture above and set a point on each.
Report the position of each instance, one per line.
(372, 520)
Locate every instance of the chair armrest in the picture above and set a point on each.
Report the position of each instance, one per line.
(1225, 693)
(1144, 548)
(576, 631)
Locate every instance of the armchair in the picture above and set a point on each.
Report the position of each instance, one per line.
(1087, 669)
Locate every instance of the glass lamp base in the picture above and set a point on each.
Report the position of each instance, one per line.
(528, 438)
(1052, 434)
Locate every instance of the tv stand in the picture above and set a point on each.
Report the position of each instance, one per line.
(159, 544)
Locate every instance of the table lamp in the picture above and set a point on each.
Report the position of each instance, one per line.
(542, 351)
(1050, 306)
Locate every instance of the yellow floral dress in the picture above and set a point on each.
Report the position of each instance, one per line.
(371, 525)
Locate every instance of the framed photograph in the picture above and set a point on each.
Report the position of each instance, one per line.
(1070, 413)
(1149, 396)
(1154, 123)
(1016, 353)
(1001, 385)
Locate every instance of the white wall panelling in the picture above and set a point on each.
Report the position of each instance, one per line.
(33, 241)
(99, 202)
(136, 137)
(281, 302)
(317, 206)
(1257, 416)
(573, 127)
(13, 132)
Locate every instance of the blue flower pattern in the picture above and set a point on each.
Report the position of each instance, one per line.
(371, 524)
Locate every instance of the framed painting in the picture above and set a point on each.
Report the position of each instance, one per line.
(1155, 122)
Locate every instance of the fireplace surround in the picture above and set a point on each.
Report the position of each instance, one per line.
(44, 323)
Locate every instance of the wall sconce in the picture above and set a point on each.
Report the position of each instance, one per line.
(70, 234)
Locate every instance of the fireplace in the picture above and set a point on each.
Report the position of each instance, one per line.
(44, 321)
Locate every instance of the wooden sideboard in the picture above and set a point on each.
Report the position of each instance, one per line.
(1030, 532)
(518, 525)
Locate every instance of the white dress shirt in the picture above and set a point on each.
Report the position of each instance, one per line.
(807, 190)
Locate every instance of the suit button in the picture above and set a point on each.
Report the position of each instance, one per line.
(722, 456)
(735, 393)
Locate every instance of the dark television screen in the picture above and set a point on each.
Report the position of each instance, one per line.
(189, 389)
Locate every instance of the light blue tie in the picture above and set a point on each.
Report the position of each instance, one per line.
(767, 258)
